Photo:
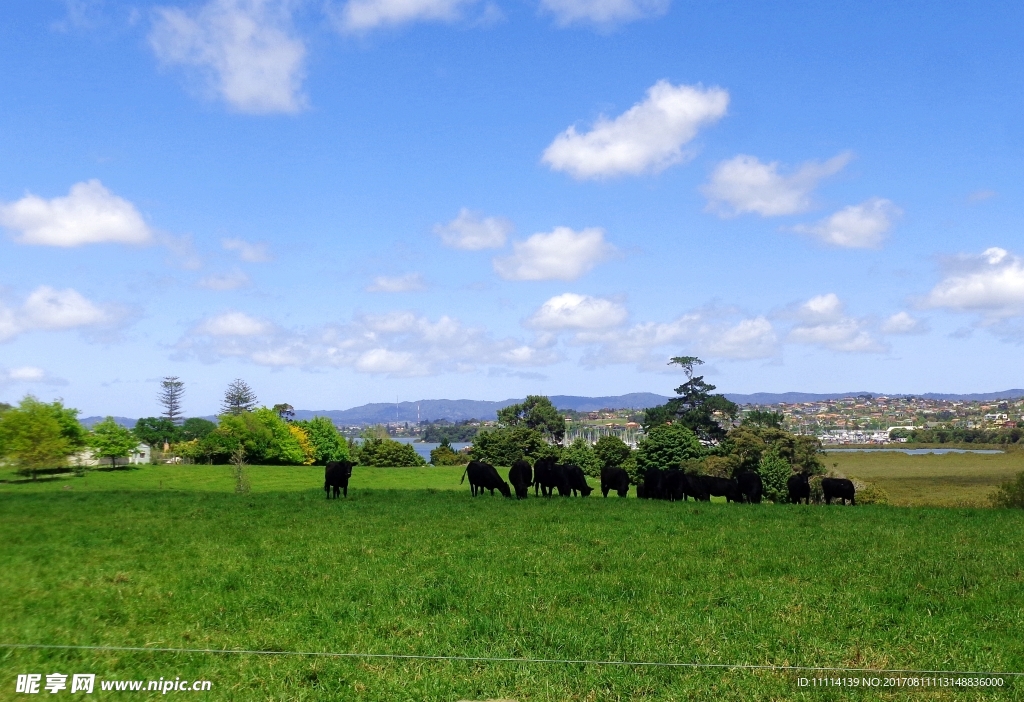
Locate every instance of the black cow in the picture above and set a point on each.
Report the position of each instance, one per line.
(673, 485)
(799, 488)
(722, 487)
(693, 487)
(336, 475)
(616, 479)
(750, 486)
(652, 483)
(549, 476)
(641, 491)
(520, 475)
(483, 476)
(838, 488)
(577, 481)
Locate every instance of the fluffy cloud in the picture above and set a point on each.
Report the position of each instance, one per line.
(572, 311)
(50, 309)
(648, 137)
(26, 375)
(364, 15)
(903, 323)
(225, 281)
(248, 252)
(744, 184)
(471, 231)
(245, 49)
(603, 12)
(397, 284)
(395, 344)
(992, 284)
(562, 254)
(88, 214)
(823, 322)
(711, 332)
(860, 226)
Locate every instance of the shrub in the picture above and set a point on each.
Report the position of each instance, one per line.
(667, 446)
(581, 453)
(302, 437)
(265, 437)
(611, 451)
(388, 453)
(328, 444)
(774, 471)
(445, 455)
(868, 494)
(1010, 494)
(505, 445)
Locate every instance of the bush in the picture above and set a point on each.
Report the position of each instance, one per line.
(263, 435)
(445, 455)
(506, 445)
(774, 471)
(667, 446)
(388, 453)
(581, 453)
(611, 451)
(1010, 494)
(327, 443)
(868, 494)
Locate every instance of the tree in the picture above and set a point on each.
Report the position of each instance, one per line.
(302, 437)
(774, 471)
(265, 437)
(328, 444)
(196, 428)
(156, 431)
(445, 455)
(764, 418)
(238, 398)
(171, 392)
(504, 446)
(611, 451)
(36, 435)
(108, 439)
(388, 453)
(667, 446)
(695, 407)
(581, 453)
(535, 412)
(285, 411)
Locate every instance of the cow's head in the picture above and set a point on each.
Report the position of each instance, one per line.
(504, 489)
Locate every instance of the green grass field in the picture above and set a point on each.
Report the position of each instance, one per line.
(170, 557)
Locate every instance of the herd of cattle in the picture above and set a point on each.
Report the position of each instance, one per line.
(547, 476)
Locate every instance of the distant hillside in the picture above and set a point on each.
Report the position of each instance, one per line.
(774, 398)
(90, 422)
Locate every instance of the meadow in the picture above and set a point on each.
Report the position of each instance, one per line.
(168, 556)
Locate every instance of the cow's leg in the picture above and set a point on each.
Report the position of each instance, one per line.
(344, 489)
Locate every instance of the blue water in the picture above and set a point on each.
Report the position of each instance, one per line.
(424, 449)
(914, 452)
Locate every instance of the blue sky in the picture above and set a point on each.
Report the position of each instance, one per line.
(362, 200)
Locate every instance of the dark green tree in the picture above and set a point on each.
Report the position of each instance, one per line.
(667, 446)
(328, 444)
(156, 431)
(764, 418)
(388, 453)
(196, 428)
(695, 407)
(238, 398)
(535, 412)
(581, 453)
(504, 446)
(445, 455)
(611, 451)
(171, 392)
(285, 411)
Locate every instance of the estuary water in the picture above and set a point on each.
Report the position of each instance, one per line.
(912, 452)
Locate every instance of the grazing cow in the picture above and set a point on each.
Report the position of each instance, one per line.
(520, 475)
(799, 488)
(652, 483)
(641, 491)
(693, 487)
(577, 480)
(549, 476)
(616, 479)
(673, 485)
(336, 475)
(483, 476)
(750, 485)
(722, 487)
(838, 488)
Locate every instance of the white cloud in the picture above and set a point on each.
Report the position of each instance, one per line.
(233, 324)
(860, 226)
(823, 322)
(248, 252)
(26, 375)
(903, 323)
(363, 15)
(648, 137)
(245, 49)
(744, 184)
(471, 231)
(562, 254)
(404, 283)
(395, 344)
(991, 284)
(572, 311)
(603, 12)
(50, 309)
(88, 214)
(225, 281)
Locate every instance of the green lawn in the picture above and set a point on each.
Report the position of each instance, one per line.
(170, 557)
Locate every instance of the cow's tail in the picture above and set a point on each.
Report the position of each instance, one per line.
(464, 475)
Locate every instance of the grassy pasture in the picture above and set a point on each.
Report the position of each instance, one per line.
(168, 556)
(953, 479)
